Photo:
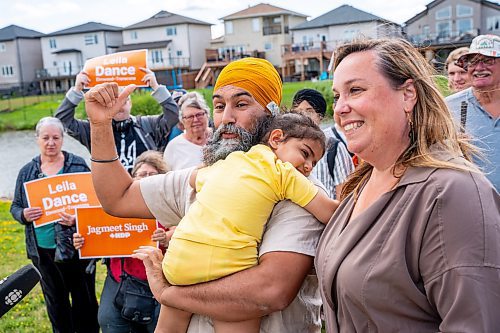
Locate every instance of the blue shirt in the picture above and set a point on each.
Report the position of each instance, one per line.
(485, 130)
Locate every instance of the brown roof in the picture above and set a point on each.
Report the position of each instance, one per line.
(262, 9)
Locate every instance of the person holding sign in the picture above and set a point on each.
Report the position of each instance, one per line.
(59, 280)
(132, 135)
(110, 314)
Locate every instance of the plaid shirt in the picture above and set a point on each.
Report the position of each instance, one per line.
(343, 166)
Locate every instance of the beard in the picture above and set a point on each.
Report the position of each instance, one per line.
(218, 148)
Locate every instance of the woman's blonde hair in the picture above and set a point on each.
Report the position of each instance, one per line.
(454, 55)
(150, 157)
(399, 61)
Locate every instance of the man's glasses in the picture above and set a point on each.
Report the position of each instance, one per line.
(474, 61)
(196, 115)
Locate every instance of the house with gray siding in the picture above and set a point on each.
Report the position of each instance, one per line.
(65, 52)
(175, 44)
(20, 56)
(448, 24)
(314, 41)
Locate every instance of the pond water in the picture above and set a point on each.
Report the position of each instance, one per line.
(18, 148)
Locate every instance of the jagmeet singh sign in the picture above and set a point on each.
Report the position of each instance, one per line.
(110, 236)
(60, 193)
(121, 67)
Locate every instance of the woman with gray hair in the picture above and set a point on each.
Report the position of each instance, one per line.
(186, 149)
(61, 275)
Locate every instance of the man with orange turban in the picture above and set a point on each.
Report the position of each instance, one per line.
(247, 91)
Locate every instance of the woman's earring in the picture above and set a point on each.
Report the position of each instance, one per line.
(411, 133)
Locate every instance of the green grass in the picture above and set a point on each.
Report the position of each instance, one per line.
(30, 314)
(15, 103)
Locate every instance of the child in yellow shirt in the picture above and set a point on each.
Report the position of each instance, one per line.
(222, 229)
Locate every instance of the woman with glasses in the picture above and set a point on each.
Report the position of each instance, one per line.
(149, 163)
(186, 149)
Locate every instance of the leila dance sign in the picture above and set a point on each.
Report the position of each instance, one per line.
(60, 193)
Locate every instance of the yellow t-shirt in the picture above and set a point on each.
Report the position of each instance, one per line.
(234, 201)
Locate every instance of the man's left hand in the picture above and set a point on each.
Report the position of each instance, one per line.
(152, 258)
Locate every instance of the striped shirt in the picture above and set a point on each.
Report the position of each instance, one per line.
(342, 168)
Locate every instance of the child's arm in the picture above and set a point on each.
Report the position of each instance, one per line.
(322, 207)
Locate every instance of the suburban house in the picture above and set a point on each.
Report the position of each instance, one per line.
(20, 56)
(176, 44)
(65, 52)
(257, 31)
(448, 24)
(314, 41)
(262, 28)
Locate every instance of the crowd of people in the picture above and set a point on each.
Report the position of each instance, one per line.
(265, 221)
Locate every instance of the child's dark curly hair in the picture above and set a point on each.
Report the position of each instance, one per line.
(293, 125)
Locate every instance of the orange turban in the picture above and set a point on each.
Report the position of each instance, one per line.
(258, 77)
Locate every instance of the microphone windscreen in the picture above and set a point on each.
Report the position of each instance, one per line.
(16, 286)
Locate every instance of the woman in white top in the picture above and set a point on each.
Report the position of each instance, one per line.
(185, 150)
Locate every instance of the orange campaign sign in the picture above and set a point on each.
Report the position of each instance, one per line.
(60, 193)
(110, 236)
(121, 67)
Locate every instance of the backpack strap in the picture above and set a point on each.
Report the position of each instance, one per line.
(331, 154)
(338, 136)
(145, 131)
(463, 115)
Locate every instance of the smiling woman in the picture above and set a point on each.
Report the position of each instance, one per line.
(405, 236)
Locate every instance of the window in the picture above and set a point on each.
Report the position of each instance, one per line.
(54, 63)
(91, 39)
(443, 13)
(464, 11)
(464, 25)
(277, 19)
(7, 71)
(171, 31)
(179, 53)
(67, 67)
(228, 27)
(52, 43)
(3, 48)
(426, 30)
(156, 56)
(133, 35)
(443, 29)
(350, 34)
(493, 23)
(268, 46)
(256, 24)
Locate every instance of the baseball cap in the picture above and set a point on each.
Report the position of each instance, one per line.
(487, 45)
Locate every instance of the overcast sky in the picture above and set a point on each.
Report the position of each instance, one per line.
(51, 15)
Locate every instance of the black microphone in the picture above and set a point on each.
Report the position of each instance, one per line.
(16, 286)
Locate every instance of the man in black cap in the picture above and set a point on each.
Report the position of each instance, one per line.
(332, 170)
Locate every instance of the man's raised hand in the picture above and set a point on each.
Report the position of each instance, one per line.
(104, 101)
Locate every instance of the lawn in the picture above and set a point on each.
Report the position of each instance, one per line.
(30, 315)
